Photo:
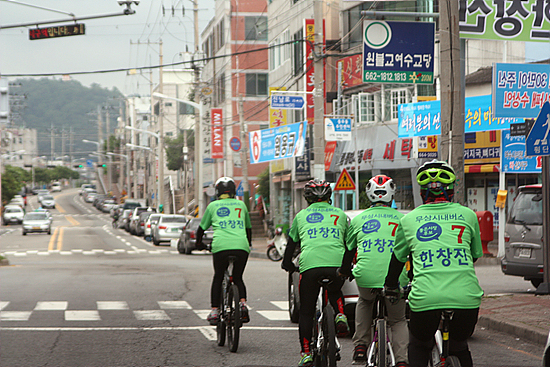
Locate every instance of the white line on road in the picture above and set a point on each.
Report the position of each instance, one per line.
(159, 328)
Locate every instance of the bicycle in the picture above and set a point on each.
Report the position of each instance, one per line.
(326, 346)
(380, 351)
(230, 312)
(440, 353)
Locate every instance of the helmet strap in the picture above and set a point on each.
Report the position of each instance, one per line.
(380, 203)
(224, 196)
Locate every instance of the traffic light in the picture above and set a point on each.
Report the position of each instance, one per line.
(103, 165)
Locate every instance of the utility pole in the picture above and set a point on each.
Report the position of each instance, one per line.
(244, 156)
(63, 146)
(319, 101)
(161, 136)
(99, 132)
(198, 122)
(110, 160)
(52, 143)
(452, 95)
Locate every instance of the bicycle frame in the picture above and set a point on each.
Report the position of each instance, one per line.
(380, 335)
(230, 313)
(440, 352)
(323, 347)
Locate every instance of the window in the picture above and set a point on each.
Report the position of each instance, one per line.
(255, 28)
(298, 57)
(368, 107)
(185, 109)
(398, 97)
(219, 96)
(280, 50)
(256, 84)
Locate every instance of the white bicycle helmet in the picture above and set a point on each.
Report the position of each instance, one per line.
(380, 188)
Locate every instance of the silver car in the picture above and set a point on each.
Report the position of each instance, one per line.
(168, 227)
(47, 202)
(13, 214)
(37, 222)
(150, 224)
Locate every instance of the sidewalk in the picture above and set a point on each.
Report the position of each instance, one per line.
(525, 316)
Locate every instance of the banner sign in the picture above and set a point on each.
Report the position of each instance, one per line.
(277, 116)
(524, 20)
(424, 119)
(513, 155)
(351, 71)
(394, 53)
(520, 90)
(277, 143)
(427, 147)
(337, 129)
(302, 165)
(217, 132)
(310, 70)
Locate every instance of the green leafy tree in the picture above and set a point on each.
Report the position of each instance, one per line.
(174, 152)
(42, 175)
(62, 172)
(13, 180)
(263, 182)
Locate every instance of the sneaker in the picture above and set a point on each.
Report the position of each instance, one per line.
(214, 316)
(306, 360)
(244, 314)
(360, 354)
(342, 328)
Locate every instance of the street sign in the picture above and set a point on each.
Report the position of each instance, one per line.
(89, 163)
(522, 128)
(240, 189)
(513, 155)
(538, 141)
(337, 129)
(287, 102)
(235, 144)
(207, 160)
(57, 31)
(344, 182)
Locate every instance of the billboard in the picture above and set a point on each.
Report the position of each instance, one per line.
(277, 143)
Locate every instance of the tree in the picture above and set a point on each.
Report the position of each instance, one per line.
(263, 185)
(13, 180)
(174, 153)
(42, 175)
(62, 172)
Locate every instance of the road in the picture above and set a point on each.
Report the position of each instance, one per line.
(90, 295)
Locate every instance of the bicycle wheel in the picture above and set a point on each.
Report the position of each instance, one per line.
(329, 334)
(234, 318)
(220, 326)
(382, 347)
(452, 361)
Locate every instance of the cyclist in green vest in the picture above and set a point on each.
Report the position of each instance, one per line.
(232, 237)
(320, 231)
(372, 237)
(443, 241)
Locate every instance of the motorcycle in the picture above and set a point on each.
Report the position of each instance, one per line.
(276, 246)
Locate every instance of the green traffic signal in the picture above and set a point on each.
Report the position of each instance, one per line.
(103, 165)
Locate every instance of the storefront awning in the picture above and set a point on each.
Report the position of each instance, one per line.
(481, 168)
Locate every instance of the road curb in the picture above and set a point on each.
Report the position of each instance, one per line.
(516, 329)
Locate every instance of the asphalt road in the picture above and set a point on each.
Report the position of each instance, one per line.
(90, 295)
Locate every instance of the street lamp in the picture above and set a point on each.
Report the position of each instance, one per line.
(158, 180)
(127, 167)
(199, 197)
(92, 142)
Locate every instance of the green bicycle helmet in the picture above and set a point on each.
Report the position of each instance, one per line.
(436, 179)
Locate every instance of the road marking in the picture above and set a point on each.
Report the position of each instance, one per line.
(52, 239)
(112, 305)
(88, 315)
(158, 328)
(73, 221)
(60, 239)
(274, 315)
(151, 315)
(15, 315)
(3, 304)
(51, 306)
(209, 333)
(59, 208)
(283, 305)
(174, 305)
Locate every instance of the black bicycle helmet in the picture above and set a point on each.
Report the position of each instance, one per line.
(317, 190)
(225, 185)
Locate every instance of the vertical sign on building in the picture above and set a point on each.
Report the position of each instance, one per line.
(310, 70)
(217, 132)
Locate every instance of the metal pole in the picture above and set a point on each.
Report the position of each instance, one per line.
(544, 287)
(244, 156)
(319, 108)
(198, 121)
(161, 138)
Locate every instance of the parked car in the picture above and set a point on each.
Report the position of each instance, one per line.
(36, 222)
(124, 220)
(90, 196)
(56, 186)
(47, 202)
(188, 238)
(523, 254)
(40, 193)
(131, 204)
(135, 221)
(150, 224)
(108, 205)
(17, 200)
(13, 214)
(84, 187)
(168, 227)
(139, 229)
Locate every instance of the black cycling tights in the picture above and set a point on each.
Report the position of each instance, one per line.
(309, 290)
(220, 260)
(422, 327)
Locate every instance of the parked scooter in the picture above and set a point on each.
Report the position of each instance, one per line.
(276, 246)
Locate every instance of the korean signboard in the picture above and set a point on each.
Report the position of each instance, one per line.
(351, 71)
(310, 70)
(337, 129)
(393, 52)
(427, 147)
(482, 147)
(513, 155)
(277, 143)
(302, 164)
(277, 116)
(217, 132)
(524, 20)
(424, 119)
(520, 90)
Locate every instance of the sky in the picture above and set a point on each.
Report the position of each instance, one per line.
(109, 43)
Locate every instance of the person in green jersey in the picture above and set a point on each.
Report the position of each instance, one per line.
(232, 237)
(320, 231)
(443, 241)
(372, 237)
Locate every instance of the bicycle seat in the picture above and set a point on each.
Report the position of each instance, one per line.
(324, 280)
(231, 258)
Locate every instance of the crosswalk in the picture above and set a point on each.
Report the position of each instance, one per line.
(165, 310)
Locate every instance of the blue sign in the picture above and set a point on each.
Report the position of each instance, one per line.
(235, 144)
(520, 90)
(240, 189)
(513, 155)
(286, 141)
(287, 102)
(424, 118)
(89, 163)
(538, 141)
(208, 160)
(393, 52)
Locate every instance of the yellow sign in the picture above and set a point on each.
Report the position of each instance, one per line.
(482, 147)
(427, 147)
(501, 198)
(277, 117)
(344, 182)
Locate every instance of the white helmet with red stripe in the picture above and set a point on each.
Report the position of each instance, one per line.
(380, 188)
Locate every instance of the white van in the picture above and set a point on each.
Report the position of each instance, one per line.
(56, 186)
